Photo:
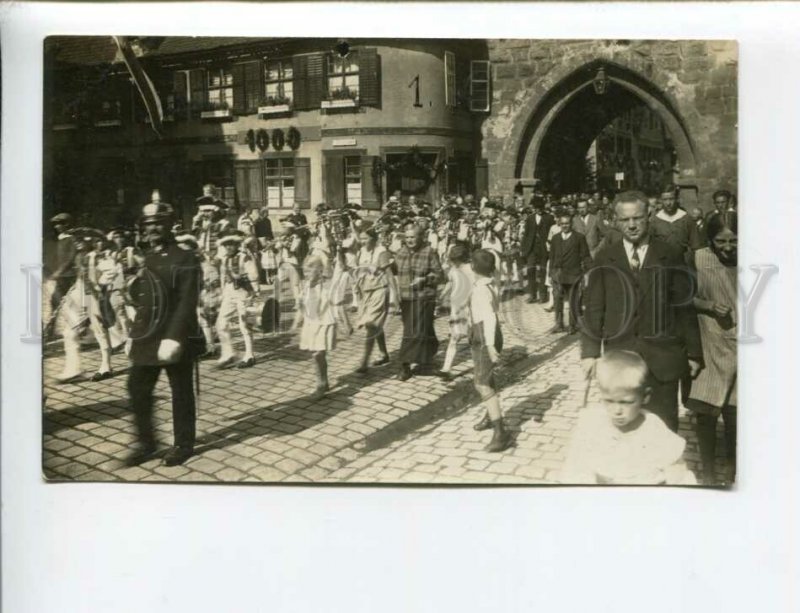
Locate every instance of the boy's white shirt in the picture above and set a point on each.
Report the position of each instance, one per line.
(483, 310)
(599, 452)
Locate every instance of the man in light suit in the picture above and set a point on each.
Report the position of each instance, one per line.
(588, 224)
(533, 251)
(639, 297)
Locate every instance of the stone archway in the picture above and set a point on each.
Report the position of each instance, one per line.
(554, 101)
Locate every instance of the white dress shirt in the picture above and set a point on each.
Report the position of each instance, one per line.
(641, 249)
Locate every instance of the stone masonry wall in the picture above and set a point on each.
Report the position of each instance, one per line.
(699, 79)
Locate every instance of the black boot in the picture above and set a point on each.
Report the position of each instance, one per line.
(483, 424)
(500, 438)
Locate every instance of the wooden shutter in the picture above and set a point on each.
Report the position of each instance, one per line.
(369, 77)
(334, 180)
(249, 183)
(370, 193)
(480, 90)
(302, 182)
(481, 177)
(449, 78)
(254, 85)
(300, 82)
(197, 81)
(317, 82)
(179, 90)
(239, 90)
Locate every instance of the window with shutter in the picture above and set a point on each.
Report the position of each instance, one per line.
(479, 95)
(220, 88)
(279, 79)
(343, 76)
(280, 182)
(369, 77)
(449, 78)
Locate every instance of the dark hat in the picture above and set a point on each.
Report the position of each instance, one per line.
(61, 218)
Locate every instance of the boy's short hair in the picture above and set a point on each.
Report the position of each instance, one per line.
(483, 263)
(626, 369)
(459, 254)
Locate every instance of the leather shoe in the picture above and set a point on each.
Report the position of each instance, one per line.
(102, 376)
(177, 455)
(405, 373)
(531, 300)
(557, 330)
(444, 375)
(382, 361)
(362, 370)
(226, 363)
(573, 330)
(248, 363)
(483, 424)
(68, 379)
(549, 309)
(140, 455)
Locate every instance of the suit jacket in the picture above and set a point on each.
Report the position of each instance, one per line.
(570, 258)
(591, 229)
(534, 237)
(165, 296)
(650, 312)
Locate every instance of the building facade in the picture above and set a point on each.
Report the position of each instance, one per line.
(271, 123)
(278, 122)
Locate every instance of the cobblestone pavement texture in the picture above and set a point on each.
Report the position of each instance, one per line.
(259, 425)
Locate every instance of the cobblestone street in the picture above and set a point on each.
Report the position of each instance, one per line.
(258, 425)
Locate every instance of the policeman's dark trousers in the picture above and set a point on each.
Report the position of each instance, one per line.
(141, 381)
(537, 272)
(664, 401)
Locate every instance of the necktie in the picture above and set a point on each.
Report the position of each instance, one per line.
(636, 263)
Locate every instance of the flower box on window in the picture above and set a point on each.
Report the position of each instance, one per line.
(341, 103)
(59, 126)
(216, 111)
(341, 98)
(168, 118)
(275, 109)
(107, 123)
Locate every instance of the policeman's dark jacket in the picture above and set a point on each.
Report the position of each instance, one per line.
(165, 294)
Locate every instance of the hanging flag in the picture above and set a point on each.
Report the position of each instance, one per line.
(143, 83)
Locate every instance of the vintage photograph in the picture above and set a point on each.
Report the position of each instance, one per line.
(389, 261)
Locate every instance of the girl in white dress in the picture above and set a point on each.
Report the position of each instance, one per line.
(318, 333)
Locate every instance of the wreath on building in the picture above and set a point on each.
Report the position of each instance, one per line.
(293, 138)
(411, 161)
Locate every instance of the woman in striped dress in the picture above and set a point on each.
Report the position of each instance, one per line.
(713, 393)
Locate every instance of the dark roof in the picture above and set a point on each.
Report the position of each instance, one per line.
(91, 50)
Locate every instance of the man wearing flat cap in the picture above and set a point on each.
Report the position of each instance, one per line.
(164, 335)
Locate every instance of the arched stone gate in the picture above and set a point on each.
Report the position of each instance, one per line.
(692, 85)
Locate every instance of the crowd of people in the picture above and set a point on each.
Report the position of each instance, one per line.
(637, 273)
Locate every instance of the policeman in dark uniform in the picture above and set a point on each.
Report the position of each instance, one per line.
(164, 334)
